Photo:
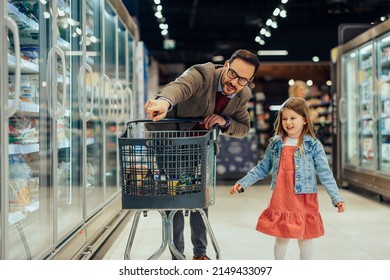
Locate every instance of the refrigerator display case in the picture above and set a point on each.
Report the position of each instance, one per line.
(67, 84)
(362, 88)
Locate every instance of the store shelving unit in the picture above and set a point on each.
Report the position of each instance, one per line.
(321, 115)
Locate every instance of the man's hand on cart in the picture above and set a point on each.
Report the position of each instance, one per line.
(212, 120)
(236, 188)
(156, 109)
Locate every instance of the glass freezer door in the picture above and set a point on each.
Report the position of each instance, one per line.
(349, 107)
(111, 101)
(94, 186)
(64, 59)
(29, 205)
(366, 107)
(383, 77)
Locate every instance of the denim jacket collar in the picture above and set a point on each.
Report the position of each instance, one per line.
(308, 141)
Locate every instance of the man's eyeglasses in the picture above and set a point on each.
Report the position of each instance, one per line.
(233, 74)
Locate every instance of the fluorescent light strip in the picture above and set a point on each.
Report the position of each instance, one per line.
(275, 107)
(272, 52)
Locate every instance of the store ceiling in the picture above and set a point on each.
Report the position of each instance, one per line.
(203, 29)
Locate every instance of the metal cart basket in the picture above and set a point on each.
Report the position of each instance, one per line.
(164, 168)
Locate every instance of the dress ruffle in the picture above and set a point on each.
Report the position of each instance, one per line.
(290, 225)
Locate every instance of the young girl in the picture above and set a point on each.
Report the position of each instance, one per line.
(295, 157)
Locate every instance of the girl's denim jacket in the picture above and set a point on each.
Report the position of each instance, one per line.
(313, 162)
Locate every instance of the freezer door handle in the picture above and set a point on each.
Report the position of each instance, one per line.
(13, 27)
(53, 95)
(118, 93)
(84, 113)
(374, 106)
(131, 101)
(341, 109)
(103, 83)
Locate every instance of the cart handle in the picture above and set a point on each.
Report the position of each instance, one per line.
(167, 120)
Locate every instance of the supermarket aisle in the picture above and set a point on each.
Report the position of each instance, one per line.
(362, 232)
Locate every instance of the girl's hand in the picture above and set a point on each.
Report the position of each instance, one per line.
(235, 189)
(341, 207)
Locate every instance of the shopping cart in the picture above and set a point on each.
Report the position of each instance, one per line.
(168, 171)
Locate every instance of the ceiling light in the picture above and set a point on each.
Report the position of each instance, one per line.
(217, 58)
(272, 52)
(275, 107)
(259, 39)
(271, 22)
(169, 44)
(163, 26)
(315, 59)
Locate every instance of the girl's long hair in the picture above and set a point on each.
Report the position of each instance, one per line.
(298, 105)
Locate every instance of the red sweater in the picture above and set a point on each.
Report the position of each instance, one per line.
(220, 102)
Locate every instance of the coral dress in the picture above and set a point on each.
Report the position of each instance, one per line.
(290, 215)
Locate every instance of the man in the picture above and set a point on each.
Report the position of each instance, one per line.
(219, 94)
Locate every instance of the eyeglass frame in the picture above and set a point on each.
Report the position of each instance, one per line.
(236, 76)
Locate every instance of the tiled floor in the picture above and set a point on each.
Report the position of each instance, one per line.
(362, 232)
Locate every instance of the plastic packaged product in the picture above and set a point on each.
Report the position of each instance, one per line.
(163, 182)
(185, 184)
(173, 183)
(148, 184)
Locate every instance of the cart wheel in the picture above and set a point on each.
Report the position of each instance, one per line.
(145, 213)
(379, 197)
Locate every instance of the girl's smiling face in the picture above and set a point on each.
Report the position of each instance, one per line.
(292, 123)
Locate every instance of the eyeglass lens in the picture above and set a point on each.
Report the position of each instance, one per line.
(233, 74)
